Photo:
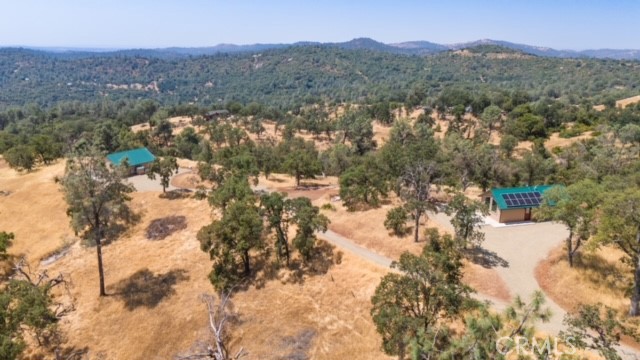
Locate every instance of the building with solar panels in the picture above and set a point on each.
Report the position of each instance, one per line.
(508, 205)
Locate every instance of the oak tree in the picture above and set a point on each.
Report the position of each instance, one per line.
(164, 168)
(574, 206)
(426, 290)
(229, 242)
(467, 218)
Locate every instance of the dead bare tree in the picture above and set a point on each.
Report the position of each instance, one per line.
(219, 317)
(40, 285)
(22, 270)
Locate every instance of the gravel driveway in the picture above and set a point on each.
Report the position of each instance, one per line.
(142, 183)
(515, 252)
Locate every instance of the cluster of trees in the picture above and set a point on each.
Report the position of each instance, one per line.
(251, 221)
(249, 224)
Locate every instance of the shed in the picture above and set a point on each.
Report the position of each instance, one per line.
(214, 114)
(514, 204)
(138, 160)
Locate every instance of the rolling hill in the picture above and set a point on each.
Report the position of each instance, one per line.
(420, 47)
(360, 70)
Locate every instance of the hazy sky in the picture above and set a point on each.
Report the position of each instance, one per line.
(566, 24)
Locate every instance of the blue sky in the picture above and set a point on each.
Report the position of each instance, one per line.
(565, 24)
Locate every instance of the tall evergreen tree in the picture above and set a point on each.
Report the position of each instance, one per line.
(98, 201)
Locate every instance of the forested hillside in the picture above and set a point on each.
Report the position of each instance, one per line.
(303, 74)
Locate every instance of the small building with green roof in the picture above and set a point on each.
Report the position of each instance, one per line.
(138, 160)
(514, 204)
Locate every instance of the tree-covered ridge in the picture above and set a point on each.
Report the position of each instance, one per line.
(298, 75)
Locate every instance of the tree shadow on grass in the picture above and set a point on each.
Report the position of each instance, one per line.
(298, 346)
(176, 194)
(71, 353)
(146, 289)
(309, 185)
(276, 179)
(485, 258)
(267, 268)
(600, 271)
(160, 228)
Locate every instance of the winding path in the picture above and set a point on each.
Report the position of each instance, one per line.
(356, 249)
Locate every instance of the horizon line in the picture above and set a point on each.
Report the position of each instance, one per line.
(107, 48)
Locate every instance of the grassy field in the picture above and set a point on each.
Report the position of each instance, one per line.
(154, 310)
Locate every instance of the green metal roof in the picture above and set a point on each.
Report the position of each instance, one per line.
(497, 194)
(134, 157)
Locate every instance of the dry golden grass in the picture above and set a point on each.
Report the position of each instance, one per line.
(286, 183)
(34, 210)
(595, 277)
(179, 124)
(622, 103)
(322, 142)
(556, 141)
(154, 309)
(381, 133)
(335, 306)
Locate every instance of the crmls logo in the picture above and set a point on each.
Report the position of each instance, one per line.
(519, 345)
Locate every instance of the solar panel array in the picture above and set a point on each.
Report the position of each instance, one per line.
(527, 199)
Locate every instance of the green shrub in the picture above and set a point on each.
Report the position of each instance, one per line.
(396, 221)
(576, 130)
(328, 206)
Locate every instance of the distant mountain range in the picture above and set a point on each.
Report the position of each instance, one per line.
(407, 48)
